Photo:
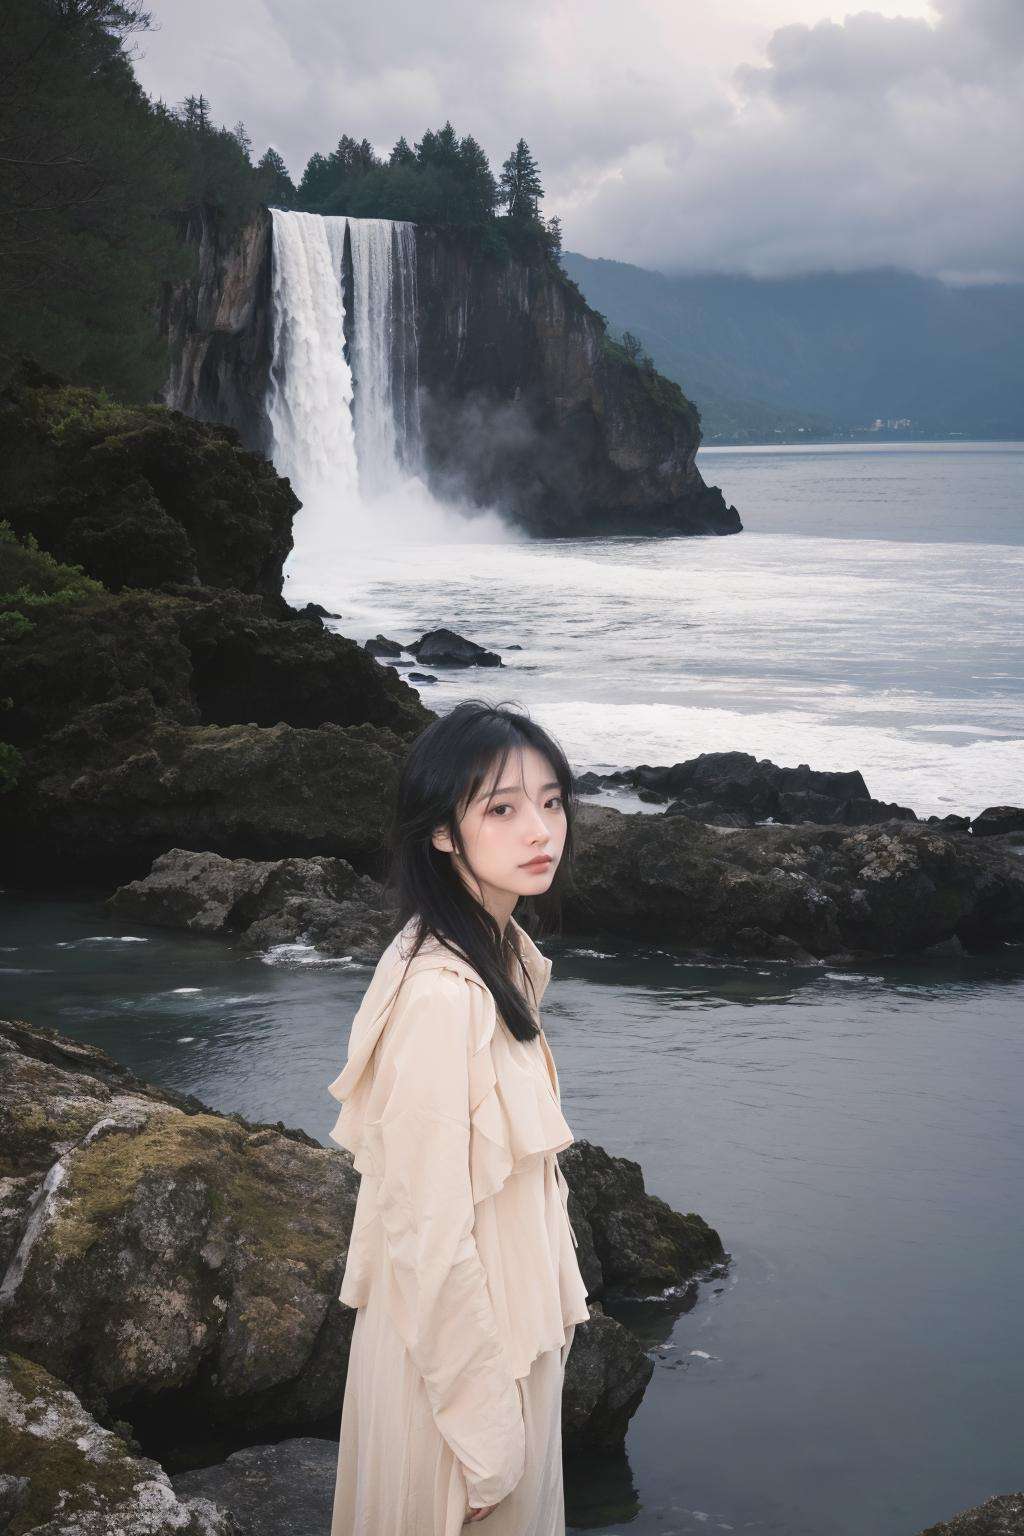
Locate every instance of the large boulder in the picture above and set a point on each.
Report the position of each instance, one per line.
(804, 891)
(321, 901)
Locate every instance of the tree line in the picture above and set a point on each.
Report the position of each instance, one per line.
(98, 181)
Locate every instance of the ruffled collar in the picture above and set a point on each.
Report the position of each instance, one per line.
(387, 978)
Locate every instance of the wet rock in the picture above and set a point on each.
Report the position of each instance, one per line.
(738, 790)
(606, 1375)
(1002, 1515)
(997, 820)
(630, 1242)
(270, 1489)
(64, 1474)
(444, 648)
(830, 890)
(421, 677)
(173, 1265)
(320, 901)
(382, 646)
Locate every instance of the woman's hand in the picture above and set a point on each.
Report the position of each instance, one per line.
(479, 1514)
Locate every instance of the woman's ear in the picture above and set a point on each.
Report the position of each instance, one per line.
(441, 840)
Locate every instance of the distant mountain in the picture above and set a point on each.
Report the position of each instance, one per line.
(828, 352)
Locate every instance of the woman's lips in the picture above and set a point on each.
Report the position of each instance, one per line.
(541, 862)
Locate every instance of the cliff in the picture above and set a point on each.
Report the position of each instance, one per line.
(527, 403)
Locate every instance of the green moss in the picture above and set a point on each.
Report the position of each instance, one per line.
(103, 1177)
(74, 416)
(63, 1480)
(31, 579)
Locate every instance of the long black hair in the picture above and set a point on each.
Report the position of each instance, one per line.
(443, 771)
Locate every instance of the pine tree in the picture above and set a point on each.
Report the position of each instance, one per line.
(242, 139)
(273, 182)
(480, 190)
(402, 154)
(519, 189)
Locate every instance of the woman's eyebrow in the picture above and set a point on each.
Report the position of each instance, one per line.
(513, 789)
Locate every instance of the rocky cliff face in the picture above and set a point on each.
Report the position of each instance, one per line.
(219, 329)
(527, 404)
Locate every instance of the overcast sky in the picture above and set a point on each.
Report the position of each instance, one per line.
(758, 136)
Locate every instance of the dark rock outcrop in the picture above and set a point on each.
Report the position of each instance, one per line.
(444, 648)
(318, 900)
(139, 495)
(131, 713)
(792, 892)
(997, 820)
(737, 789)
(630, 1242)
(527, 403)
(530, 406)
(786, 893)
(1002, 1515)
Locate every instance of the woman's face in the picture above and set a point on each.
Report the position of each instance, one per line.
(514, 831)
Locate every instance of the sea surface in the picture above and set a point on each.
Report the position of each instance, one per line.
(854, 1134)
(869, 616)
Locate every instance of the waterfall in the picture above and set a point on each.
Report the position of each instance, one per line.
(343, 430)
(309, 395)
(384, 351)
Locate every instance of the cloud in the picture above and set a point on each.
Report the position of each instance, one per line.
(757, 136)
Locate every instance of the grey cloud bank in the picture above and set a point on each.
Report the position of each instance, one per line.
(664, 138)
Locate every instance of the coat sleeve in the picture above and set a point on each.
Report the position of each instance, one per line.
(443, 1305)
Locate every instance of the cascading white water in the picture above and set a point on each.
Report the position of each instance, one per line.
(323, 444)
(309, 395)
(348, 437)
(384, 351)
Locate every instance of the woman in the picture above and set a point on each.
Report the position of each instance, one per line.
(462, 1260)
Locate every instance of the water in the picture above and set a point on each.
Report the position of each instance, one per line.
(855, 1137)
(384, 351)
(868, 617)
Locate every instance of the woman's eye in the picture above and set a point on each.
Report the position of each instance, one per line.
(555, 800)
(495, 808)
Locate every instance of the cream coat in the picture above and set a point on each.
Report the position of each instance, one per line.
(462, 1243)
